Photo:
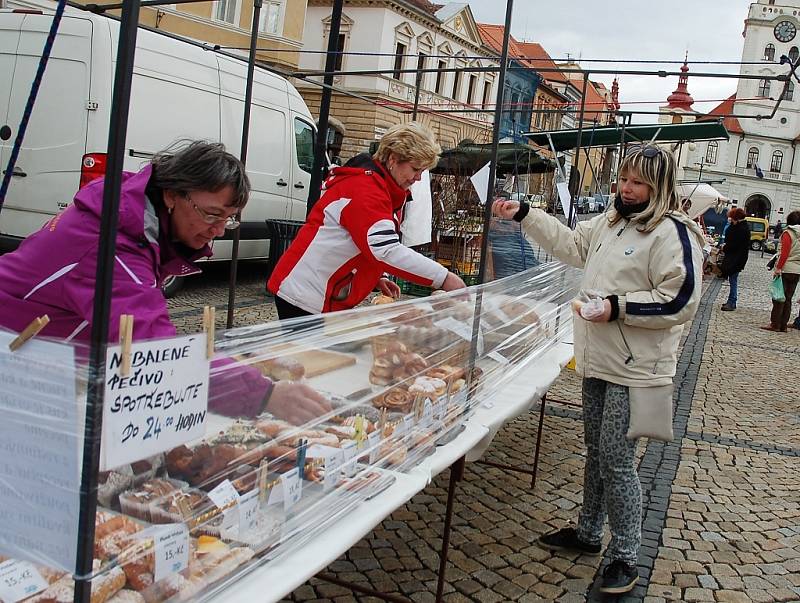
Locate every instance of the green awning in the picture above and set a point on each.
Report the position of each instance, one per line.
(606, 136)
(512, 158)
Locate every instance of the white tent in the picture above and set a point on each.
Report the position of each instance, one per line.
(701, 195)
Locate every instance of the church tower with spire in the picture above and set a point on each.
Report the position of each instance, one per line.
(678, 109)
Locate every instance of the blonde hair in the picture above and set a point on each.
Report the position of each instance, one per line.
(658, 172)
(410, 142)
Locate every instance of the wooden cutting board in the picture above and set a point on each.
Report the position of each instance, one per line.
(319, 362)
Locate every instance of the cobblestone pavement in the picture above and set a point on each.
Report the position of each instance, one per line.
(721, 503)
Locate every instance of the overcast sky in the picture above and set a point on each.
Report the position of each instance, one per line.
(711, 30)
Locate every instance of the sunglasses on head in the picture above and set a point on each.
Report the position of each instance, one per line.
(649, 151)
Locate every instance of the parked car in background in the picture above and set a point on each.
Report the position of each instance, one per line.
(759, 230)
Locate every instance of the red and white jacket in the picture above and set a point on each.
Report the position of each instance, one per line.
(350, 238)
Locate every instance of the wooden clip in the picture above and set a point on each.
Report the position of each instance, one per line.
(262, 480)
(125, 339)
(209, 324)
(382, 420)
(37, 324)
(182, 502)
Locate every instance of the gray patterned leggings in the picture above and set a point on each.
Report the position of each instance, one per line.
(610, 481)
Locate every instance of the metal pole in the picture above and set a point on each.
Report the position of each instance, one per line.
(573, 210)
(118, 127)
(248, 100)
(498, 110)
(456, 473)
(324, 107)
(417, 85)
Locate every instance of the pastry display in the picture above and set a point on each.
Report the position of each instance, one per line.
(381, 299)
(203, 465)
(428, 387)
(396, 399)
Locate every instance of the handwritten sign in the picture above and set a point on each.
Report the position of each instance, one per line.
(40, 443)
(333, 459)
(427, 414)
(225, 495)
(171, 543)
(162, 403)
(350, 452)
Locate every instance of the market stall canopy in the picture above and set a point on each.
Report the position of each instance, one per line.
(512, 158)
(702, 196)
(605, 136)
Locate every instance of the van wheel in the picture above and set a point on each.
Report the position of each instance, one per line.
(171, 285)
(755, 245)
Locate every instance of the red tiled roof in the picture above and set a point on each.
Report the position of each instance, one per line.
(536, 56)
(731, 123)
(492, 36)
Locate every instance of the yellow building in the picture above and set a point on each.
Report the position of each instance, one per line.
(228, 23)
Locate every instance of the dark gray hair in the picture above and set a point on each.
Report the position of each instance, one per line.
(200, 166)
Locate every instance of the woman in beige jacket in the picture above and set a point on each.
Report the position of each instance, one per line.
(644, 259)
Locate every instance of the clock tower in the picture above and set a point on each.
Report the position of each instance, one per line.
(758, 166)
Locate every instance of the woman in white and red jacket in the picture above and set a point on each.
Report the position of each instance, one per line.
(352, 235)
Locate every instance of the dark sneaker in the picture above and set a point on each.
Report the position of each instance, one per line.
(566, 539)
(727, 308)
(618, 578)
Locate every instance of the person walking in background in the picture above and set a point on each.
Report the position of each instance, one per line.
(787, 267)
(352, 235)
(778, 228)
(644, 259)
(736, 250)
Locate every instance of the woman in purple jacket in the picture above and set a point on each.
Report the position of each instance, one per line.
(169, 212)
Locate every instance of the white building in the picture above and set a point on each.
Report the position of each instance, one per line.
(766, 146)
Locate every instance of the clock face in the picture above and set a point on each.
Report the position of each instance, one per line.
(785, 31)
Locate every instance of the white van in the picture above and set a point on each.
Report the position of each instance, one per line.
(179, 91)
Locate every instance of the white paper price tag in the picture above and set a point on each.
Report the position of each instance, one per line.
(171, 543)
(333, 469)
(223, 496)
(374, 444)
(427, 414)
(350, 452)
(408, 422)
(19, 580)
(460, 397)
(292, 488)
(441, 408)
(248, 511)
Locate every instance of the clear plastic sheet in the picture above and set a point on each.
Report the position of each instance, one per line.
(396, 380)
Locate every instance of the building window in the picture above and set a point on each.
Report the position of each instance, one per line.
(339, 60)
(225, 10)
(789, 91)
(399, 51)
(440, 75)
(272, 17)
(763, 88)
(487, 94)
(711, 152)
(473, 79)
(777, 162)
(769, 52)
(752, 158)
(793, 54)
(422, 58)
(456, 84)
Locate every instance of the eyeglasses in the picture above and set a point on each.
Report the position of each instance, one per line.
(231, 223)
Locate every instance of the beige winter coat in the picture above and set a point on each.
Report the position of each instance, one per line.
(658, 278)
(792, 265)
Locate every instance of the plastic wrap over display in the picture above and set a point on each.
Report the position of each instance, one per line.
(217, 464)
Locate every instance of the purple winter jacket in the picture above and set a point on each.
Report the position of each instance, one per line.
(53, 272)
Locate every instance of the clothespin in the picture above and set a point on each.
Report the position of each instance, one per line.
(382, 420)
(360, 435)
(301, 457)
(209, 324)
(262, 480)
(36, 325)
(183, 506)
(125, 338)
(419, 404)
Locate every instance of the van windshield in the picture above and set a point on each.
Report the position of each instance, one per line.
(756, 226)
